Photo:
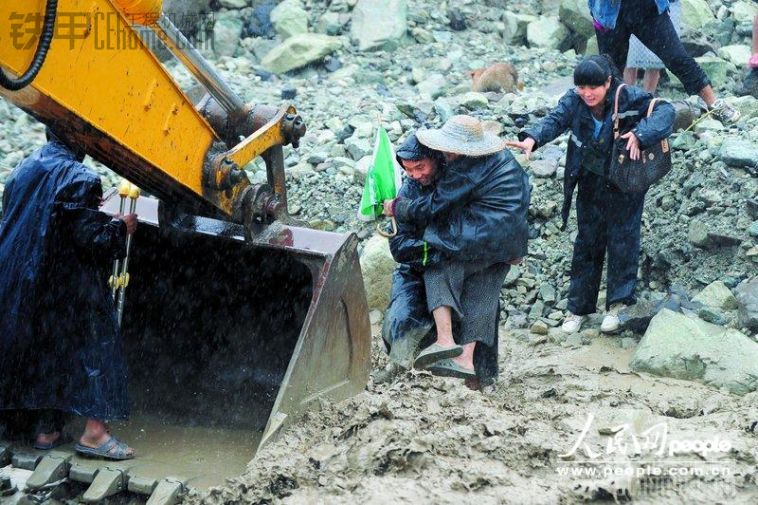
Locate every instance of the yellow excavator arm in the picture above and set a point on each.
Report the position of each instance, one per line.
(101, 88)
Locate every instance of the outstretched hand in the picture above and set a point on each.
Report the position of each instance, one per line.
(131, 223)
(632, 145)
(388, 208)
(527, 145)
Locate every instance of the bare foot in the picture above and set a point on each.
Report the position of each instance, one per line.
(96, 433)
(44, 439)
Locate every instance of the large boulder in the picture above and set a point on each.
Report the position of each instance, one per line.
(736, 54)
(547, 32)
(681, 347)
(575, 15)
(747, 301)
(514, 27)
(289, 18)
(744, 12)
(695, 15)
(379, 24)
(377, 265)
(226, 33)
(298, 51)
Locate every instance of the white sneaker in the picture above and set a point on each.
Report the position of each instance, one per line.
(611, 321)
(572, 323)
(724, 112)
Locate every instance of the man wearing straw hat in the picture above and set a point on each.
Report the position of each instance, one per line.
(60, 348)
(475, 222)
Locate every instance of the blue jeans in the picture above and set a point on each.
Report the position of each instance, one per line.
(608, 220)
(657, 32)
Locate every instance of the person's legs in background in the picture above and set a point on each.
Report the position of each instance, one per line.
(658, 34)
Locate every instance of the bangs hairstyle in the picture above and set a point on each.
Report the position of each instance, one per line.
(592, 71)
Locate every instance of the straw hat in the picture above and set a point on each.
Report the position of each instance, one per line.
(462, 135)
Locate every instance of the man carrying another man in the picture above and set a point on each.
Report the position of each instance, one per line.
(461, 226)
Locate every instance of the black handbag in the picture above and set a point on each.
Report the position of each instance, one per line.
(636, 176)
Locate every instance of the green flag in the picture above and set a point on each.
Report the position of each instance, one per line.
(382, 179)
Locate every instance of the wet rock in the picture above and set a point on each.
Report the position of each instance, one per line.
(539, 328)
(736, 54)
(739, 153)
(226, 33)
(747, 302)
(703, 235)
(377, 265)
(718, 296)
(379, 24)
(547, 32)
(695, 15)
(289, 18)
(575, 15)
(712, 315)
(544, 168)
(677, 346)
(457, 20)
(298, 51)
(514, 31)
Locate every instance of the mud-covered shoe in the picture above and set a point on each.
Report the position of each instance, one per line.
(388, 373)
(572, 323)
(724, 112)
(611, 321)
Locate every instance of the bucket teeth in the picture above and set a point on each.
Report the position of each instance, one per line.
(108, 482)
(167, 492)
(52, 468)
(26, 461)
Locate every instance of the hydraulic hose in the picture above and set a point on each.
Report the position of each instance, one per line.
(48, 29)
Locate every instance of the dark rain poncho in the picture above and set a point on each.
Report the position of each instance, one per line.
(60, 346)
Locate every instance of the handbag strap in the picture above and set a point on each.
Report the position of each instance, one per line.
(616, 112)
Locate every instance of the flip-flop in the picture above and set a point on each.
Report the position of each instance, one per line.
(436, 352)
(449, 368)
(106, 450)
(61, 440)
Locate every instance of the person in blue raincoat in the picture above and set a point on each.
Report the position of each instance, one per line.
(608, 219)
(474, 222)
(60, 347)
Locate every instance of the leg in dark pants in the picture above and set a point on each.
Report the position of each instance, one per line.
(624, 218)
(657, 32)
(590, 245)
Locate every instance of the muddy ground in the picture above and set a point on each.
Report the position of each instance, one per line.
(425, 439)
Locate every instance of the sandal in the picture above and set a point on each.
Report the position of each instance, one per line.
(436, 352)
(449, 368)
(112, 448)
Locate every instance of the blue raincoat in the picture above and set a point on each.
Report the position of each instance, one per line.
(60, 347)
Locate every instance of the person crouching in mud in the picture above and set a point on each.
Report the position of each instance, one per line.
(608, 219)
(474, 227)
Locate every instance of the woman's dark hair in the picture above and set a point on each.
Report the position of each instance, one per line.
(594, 71)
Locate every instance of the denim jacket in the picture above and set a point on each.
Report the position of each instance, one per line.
(606, 12)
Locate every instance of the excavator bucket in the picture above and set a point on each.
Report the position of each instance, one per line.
(227, 340)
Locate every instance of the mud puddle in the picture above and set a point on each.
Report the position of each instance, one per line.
(565, 424)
